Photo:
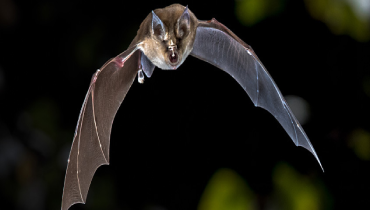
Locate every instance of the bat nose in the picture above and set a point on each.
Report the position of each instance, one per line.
(171, 42)
(172, 47)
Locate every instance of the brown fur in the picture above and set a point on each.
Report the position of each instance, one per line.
(158, 51)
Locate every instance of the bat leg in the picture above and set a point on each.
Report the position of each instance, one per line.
(140, 76)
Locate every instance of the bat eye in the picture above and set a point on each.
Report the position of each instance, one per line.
(183, 32)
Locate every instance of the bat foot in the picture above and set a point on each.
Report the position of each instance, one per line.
(140, 76)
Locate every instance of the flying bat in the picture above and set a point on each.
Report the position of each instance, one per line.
(165, 39)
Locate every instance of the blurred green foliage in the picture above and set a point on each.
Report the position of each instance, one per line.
(342, 17)
(298, 192)
(226, 190)
(250, 12)
(360, 143)
(350, 17)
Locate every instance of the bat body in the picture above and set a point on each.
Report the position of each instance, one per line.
(165, 39)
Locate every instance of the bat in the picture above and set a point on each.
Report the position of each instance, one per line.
(165, 39)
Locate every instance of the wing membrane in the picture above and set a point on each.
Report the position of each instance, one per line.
(107, 90)
(217, 45)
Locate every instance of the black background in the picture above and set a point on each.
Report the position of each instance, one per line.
(174, 131)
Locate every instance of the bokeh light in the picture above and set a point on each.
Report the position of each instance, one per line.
(226, 190)
(351, 17)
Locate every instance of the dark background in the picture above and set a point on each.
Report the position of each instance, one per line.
(176, 130)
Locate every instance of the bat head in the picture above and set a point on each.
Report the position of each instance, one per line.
(172, 33)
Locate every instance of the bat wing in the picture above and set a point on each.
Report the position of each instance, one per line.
(90, 147)
(217, 45)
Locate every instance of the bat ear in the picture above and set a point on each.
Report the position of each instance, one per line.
(157, 26)
(183, 24)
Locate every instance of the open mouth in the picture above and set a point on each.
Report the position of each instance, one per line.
(173, 57)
